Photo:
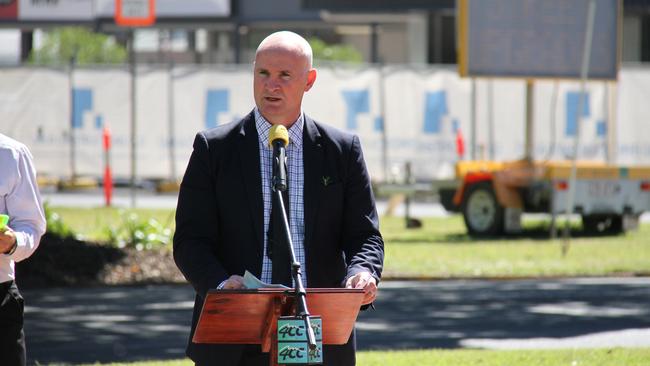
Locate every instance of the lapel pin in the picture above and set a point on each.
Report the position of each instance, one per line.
(326, 181)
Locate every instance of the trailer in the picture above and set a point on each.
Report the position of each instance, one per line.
(492, 196)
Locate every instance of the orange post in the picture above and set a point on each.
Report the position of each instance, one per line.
(460, 144)
(108, 179)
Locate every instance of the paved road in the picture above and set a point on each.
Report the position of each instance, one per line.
(135, 323)
(148, 199)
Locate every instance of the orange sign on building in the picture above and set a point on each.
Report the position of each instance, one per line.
(135, 13)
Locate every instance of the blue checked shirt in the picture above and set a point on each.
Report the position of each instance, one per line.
(296, 183)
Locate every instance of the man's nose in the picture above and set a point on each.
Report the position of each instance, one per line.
(272, 84)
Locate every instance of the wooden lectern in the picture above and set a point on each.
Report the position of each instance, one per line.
(251, 316)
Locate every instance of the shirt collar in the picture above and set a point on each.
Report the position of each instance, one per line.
(263, 128)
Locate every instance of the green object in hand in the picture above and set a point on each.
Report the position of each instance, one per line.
(4, 220)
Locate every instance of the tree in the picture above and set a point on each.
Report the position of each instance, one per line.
(87, 47)
(334, 52)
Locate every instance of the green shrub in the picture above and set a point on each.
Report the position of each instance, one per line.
(134, 232)
(55, 225)
(60, 44)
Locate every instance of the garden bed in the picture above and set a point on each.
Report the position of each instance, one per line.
(71, 262)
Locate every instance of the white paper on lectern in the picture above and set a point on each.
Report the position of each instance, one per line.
(252, 282)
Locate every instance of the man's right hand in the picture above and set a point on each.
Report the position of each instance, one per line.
(235, 282)
(7, 239)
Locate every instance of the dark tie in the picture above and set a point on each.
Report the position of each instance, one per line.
(278, 245)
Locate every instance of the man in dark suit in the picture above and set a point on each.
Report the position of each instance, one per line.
(223, 214)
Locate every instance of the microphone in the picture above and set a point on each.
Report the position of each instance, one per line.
(278, 140)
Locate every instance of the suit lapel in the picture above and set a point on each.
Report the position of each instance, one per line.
(249, 154)
(313, 165)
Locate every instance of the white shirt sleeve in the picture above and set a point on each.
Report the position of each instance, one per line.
(23, 204)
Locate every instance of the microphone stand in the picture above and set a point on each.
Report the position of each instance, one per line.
(299, 293)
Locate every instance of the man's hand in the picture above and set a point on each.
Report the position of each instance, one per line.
(7, 239)
(234, 283)
(365, 281)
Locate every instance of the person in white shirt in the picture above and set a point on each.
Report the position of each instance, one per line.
(20, 199)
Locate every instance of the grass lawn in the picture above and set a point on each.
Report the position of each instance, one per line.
(591, 357)
(579, 357)
(442, 249)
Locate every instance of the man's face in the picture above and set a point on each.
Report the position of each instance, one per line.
(280, 79)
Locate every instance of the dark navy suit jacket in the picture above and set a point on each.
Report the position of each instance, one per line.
(219, 218)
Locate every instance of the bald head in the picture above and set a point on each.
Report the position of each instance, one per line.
(287, 42)
(282, 74)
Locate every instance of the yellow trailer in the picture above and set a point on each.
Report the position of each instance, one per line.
(493, 195)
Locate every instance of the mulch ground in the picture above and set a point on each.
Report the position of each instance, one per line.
(71, 262)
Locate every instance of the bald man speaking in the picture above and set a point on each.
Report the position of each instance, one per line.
(223, 218)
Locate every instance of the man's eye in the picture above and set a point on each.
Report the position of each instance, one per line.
(263, 73)
(285, 76)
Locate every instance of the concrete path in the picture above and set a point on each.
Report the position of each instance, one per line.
(116, 324)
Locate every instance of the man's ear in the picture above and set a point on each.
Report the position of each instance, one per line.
(311, 79)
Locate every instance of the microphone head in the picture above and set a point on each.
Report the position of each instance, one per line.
(278, 132)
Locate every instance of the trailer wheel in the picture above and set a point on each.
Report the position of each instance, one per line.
(481, 211)
(602, 224)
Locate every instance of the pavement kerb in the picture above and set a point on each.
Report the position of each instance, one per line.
(511, 278)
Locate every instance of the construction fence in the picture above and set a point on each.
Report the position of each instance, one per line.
(401, 114)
